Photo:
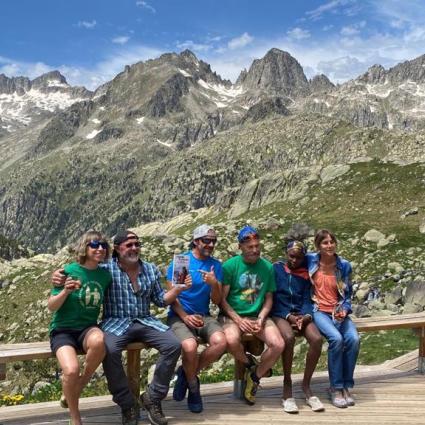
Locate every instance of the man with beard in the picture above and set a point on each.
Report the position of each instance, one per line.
(189, 317)
(248, 286)
(127, 318)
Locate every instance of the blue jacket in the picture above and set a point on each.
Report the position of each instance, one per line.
(343, 278)
(293, 293)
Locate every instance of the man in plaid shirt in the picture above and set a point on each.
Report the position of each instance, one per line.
(127, 318)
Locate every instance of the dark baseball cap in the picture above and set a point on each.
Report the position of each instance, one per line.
(124, 235)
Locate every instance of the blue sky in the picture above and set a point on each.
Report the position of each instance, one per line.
(90, 41)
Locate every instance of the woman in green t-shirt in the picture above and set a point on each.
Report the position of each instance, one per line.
(76, 307)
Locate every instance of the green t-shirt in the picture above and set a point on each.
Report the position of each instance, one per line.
(249, 284)
(82, 307)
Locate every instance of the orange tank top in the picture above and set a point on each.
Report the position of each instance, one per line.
(325, 291)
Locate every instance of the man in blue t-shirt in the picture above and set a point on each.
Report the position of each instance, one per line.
(189, 316)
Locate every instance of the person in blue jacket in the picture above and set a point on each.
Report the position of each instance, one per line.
(292, 312)
(330, 275)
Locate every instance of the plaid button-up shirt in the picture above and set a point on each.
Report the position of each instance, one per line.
(123, 306)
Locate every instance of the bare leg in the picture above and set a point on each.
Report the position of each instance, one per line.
(190, 358)
(68, 361)
(234, 345)
(270, 335)
(314, 340)
(216, 347)
(287, 333)
(94, 346)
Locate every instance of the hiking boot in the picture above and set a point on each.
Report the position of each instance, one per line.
(154, 410)
(254, 362)
(129, 416)
(180, 387)
(194, 399)
(251, 387)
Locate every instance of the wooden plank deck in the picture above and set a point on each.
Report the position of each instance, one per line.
(391, 393)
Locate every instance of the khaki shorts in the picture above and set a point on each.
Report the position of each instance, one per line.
(226, 321)
(182, 331)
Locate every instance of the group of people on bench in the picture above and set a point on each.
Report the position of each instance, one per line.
(308, 294)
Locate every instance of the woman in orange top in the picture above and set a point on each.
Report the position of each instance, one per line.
(331, 279)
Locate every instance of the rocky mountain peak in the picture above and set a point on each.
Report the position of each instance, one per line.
(413, 70)
(321, 83)
(375, 74)
(189, 55)
(14, 84)
(277, 73)
(52, 78)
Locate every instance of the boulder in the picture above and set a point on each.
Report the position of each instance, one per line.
(361, 294)
(361, 310)
(38, 386)
(373, 236)
(415, 292)
(396, 267)
(412, 211)
(412, 308)
(395, 296)
(271, 224)
(382, 242)
(331, 172)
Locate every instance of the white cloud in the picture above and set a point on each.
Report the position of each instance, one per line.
(120, 40)
(400, 12)
(145, 5)
(327, 27)
(353, 29)
(298, 33)
(324, 8)
(13, 68)
(191, 45)
(241, 41)
(415, 35)
(88, 25)
(349, 30)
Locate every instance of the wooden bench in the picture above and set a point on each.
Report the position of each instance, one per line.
(41, 350)
(414, 321)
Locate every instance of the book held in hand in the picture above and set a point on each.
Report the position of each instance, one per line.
(180, 269)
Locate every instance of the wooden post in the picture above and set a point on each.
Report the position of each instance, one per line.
(2, 371)
(421, 358)
(251, 345)
(133, 371)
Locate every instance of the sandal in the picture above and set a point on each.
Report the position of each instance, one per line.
(337, 400)
(289, 405)
(315, 404)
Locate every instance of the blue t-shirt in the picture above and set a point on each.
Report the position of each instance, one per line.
(197, 298)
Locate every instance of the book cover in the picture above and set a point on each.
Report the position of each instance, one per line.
(180, 269)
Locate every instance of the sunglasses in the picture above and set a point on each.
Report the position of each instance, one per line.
(208, 241)
(97, 244)
(131, 244)
(250, 237)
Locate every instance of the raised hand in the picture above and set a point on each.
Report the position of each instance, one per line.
(209, 277)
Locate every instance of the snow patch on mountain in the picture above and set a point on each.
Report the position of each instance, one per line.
(93, 134)
(19, 109)
(186, 74)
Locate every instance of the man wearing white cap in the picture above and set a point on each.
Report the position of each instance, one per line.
(189, 316)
